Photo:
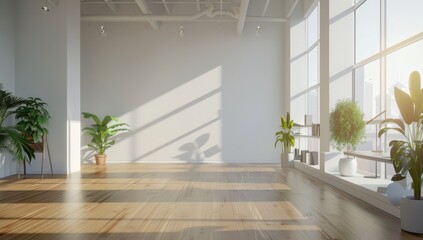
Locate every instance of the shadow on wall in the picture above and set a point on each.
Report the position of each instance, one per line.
(195, 152)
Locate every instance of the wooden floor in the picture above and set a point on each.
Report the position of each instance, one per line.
(187, 201)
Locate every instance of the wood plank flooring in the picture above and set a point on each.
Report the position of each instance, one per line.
(187, 201)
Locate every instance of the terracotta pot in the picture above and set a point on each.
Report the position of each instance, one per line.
(100, 159)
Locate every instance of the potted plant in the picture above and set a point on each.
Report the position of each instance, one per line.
(407, 154)
(12, 140)
(347, 131)
(32, 119)
(101, 133)
(286, 137)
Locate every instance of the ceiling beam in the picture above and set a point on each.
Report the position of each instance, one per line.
(291, 10)
(265, 8)
(242, 15)
(144, 9)
(166, 6)
(168, 18)
(111, 5)
(198, 6)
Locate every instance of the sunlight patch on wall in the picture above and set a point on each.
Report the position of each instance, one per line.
(183, 124)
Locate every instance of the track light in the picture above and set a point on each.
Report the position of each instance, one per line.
(258, 31)
(181, 31)
(45, 6)
(103, 31)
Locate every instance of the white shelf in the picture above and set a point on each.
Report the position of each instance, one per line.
(306, 136)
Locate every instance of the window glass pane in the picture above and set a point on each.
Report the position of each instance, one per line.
(313, 67)
(341, 48)
(367, 29)
(313, 105)
(399, 66)
(337, 7)
(404, 19)
(298, 75)
(367, 96)
(298, 109)
(298, 39)
(340, 89)
(312, 27)
(367, 89)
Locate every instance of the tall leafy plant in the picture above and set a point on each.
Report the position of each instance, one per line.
(33, 118)
(285, 136)
(346, 125)
(407, 154)
(12, 139)
(102, 131)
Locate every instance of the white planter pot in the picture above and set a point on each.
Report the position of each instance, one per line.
(411, 215)
(347, 167)
(287, 159)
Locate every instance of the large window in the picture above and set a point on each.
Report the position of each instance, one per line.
(305, 68)
(367, 59)
(305, 76)
(374, 46)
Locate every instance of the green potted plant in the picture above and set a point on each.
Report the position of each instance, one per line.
(347, 131)
(12, 140)
(286, 137)
(33, 118)
(407, 154)
(101, 133)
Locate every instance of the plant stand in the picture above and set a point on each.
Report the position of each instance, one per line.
(42, 147)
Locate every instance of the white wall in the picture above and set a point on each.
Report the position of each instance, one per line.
(209, 96)
(47, 66)
(7, 66)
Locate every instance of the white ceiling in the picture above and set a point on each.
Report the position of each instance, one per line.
(156, 11)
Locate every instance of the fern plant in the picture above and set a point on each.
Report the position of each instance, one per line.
(102, 131)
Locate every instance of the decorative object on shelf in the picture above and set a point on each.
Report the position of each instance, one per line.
(308, 120)
(347, 131)
(315, 130)
(12, 139)
(314, 158)
(305, 157)
(32, 118)
(297, 155)
(287, 140)
(407, 155)
(101, 133)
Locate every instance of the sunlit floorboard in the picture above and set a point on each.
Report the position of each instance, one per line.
(187, 201)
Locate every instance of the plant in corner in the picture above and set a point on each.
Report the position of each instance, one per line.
(407, 154)
(12, 140)
(347, 131)
(32, 119)
(286, 137)
(101, 133)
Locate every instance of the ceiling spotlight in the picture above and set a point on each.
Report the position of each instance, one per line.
(45, 6)
(103, 31)
(181, 31)
(258, 31)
